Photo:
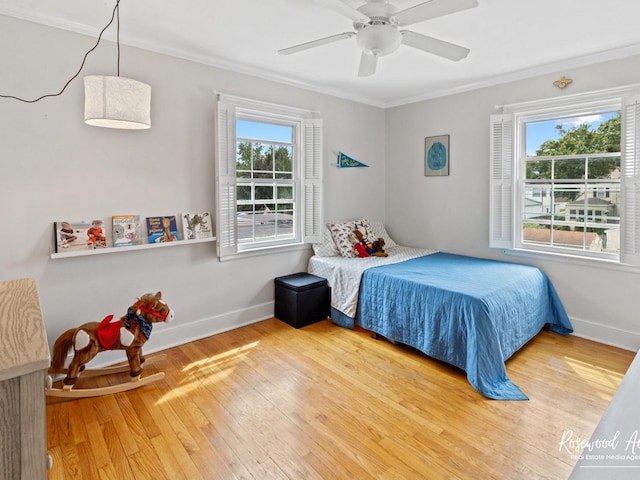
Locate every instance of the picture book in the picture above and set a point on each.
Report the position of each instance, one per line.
(74, 235)
(127, 230)
(196, 225)
(162, 229)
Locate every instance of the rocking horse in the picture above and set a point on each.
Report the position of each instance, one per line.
(129, 333)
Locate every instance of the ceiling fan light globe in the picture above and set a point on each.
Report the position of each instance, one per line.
(379, 40)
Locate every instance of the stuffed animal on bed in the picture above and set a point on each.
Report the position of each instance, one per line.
(365, 248)
(378, 247)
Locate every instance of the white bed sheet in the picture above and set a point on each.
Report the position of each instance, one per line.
(344, 274)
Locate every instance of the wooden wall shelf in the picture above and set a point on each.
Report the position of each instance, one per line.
(144, 246)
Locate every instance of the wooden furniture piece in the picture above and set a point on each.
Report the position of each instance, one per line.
(301, 299)
(24, 359)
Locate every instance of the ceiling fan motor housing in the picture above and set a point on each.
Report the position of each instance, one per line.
(377, 8)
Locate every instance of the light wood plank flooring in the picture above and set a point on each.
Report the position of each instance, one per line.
(267, 401)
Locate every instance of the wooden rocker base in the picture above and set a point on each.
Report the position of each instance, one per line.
(99, 391)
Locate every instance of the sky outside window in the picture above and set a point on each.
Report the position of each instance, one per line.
(539, 132)
(264, 131)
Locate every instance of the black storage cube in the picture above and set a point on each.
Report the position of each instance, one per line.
(302, 299)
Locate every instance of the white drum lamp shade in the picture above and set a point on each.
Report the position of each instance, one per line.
(116, 102)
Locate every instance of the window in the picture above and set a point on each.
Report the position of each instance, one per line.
(565, 177)
(569, 162)
(269, 176)
(266, 185)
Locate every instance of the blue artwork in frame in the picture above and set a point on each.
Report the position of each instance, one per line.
(436, 156)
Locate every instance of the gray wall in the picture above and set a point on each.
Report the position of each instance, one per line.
(54, 167)
(452, 213)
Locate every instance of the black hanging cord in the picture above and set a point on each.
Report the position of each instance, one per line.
(117, 10)
(115, 14)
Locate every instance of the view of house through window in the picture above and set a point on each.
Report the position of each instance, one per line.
(265, 187)
(570, 183)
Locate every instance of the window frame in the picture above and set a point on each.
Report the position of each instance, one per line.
(307, 173)
(507, 170)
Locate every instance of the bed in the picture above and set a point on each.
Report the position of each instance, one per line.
(470, 312)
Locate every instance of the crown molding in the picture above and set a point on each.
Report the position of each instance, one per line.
(239, 67)
(543, 69)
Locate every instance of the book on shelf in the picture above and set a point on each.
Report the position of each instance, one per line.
(74, 235)
(162, 229)
(127, 230)
(196, 225)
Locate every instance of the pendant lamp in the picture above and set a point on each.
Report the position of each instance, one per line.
(115, 101)
(109, 101)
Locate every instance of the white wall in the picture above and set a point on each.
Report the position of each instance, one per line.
(452, 213)
(54, 167)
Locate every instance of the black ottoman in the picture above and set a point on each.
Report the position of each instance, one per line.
(302, 299)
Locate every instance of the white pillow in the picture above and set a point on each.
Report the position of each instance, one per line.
(342, 233)
(378, 230)
(328, 247)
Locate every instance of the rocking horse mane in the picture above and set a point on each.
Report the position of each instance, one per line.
(152, 307)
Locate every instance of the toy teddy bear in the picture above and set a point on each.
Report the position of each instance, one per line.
(366, 248)
(378, 246)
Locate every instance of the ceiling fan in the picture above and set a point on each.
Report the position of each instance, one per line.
(377, 32)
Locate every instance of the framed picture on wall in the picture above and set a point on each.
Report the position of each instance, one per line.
(436, 156)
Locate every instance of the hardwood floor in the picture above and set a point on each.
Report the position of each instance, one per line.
(267, 401)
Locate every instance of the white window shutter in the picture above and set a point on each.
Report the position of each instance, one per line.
(312, 181)
(501, 181)
(226, 220)
(630, 218)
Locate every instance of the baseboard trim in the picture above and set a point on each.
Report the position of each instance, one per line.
(616, 337)
(175, 334)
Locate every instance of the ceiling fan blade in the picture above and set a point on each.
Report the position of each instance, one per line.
(432, 9)
(343, 9)
(433, 45)
(368, 65)
(315, 43)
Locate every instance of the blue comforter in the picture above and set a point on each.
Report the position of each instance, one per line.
(472, 313)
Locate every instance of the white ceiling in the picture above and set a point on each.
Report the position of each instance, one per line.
(509, 39)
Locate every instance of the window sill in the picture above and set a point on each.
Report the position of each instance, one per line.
(256, 252)
(591, 262)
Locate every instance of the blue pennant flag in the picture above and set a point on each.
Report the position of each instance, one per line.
(345, 161)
